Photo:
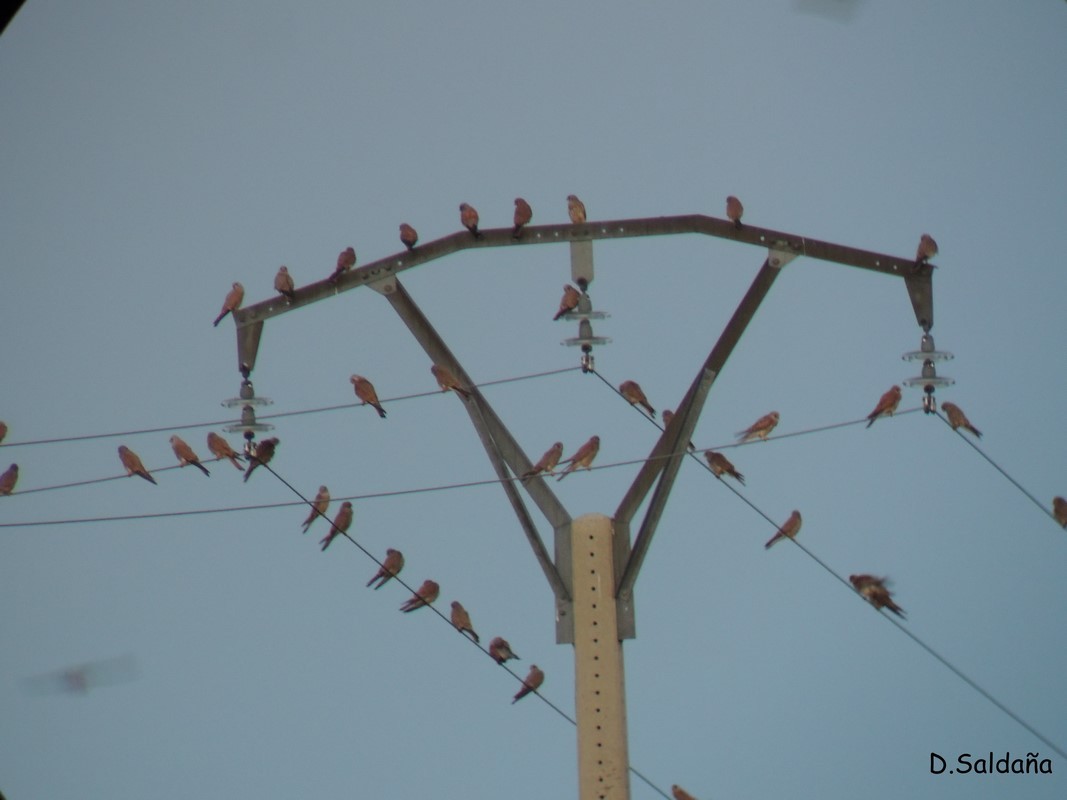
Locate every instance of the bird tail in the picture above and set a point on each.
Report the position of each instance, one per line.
(975, 431)
(871, 419)
(201, 467)
(651, 411)
(740, 477)
(372, 580)
(218, 319)
(516, 232)
(462, 391)
(235, 462)
(148, 477)
(380, 410)
(772, 540)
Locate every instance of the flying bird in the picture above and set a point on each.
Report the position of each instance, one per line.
(680, 794)
(575, 209)
(283, 284)
(927, 249)
(365, 392)
(886, 405)
(1059, 509)
(232, 302)
(423, 596)
(318, 507)
(469, 217)
(761, 428)
(571, 297)
(9, 479)
(390, 568)
(874, 589)
(446, 380)
(409, 236)
(264, 453)
(341, 523)
(547, 462)
(583, 457)
(734, 210)
(720, 465)
(523, 215)
(957, 419)
(462, 620)
(221, 449)
(3, 430)
(668, 415)
(500, 650)
(531, 683)
(346, 259)
(790, 528)
(132, 463)
(633, 393)
(185, 454)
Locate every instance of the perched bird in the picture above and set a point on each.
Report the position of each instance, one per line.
(575, 209)
(927, 249)
(318, 507)
(346, 259)
(185, 454)
(423, 596)
(233, 300)
(523, 215)
(875, 591)
(264, 453)
(132, 463)
(571, 296)
(283, 284)
(957, 419)
(3, 430)
(734, 210)
(469, 217)
(1059, 509)
(791, 528)
(341, 523)
(365, 392)
(761, 427)
(390, 568)
(9, 479)
(583, 457)
(500, 650)
(462, 620)
(680, 794)
(668, 415)
(409, 236)
(531, 683)
(720, 465)
(547, 463)
(886, 405)
(446, 380)
(633, 393)
(221, 449)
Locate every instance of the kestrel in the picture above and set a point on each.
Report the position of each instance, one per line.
(720, 465)
(571, 296)
(185, 454)
(462, 620)
(409, 236)
(876, 593)
(523, 215)
(423, 596)
(446, 380)
(390, 568)
(264, 453)
(734, 210)
(233, 300)
(3, 431)
(283, 284)
(318, 507)
(633, 393)
(680, 794)
(531, 683)
(11, 477)
(221, 449)
(957, 419)
(761, 427)
(365, 392)
(341, 523)
(886, 405)
(547, 463)
(575, 209)
(668, 415)
(346, 259)
(133, 464)
(500, 650)
(1059, 509)
(791, 528)
(582, 458)
(927, 249)
(469, 217)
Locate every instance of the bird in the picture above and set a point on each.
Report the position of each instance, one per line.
(957, 419)
(734, 210)
(221, 449)
(365, 392)
(523, 215)
(875, 591)
(346, 259)
(583, 457)
(318, 507)
(390, 568)
(668, 415)
(547, 462)
(462, 620)
(1059, 509)
(283, 284)
(571, 297)
(446, 380)
(761, 427)
(720, 465)
(680, 794)
(264, 453)
(926, 250)
(185, 454)
(3, 430)
(575, 209)
(500, 650)
(790, 528)
(232, 302)
(341, 523)
(133, 465)
(423, 596)
(531, 683)
(633, 393)
(469, 217)
(409, 236)
(9, 479)
(886, 405)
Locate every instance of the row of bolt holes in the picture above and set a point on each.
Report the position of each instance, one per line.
(600, 762)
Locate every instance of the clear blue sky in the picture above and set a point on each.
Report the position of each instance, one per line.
(153, 153)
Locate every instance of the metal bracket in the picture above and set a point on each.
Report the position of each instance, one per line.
(779, 258)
